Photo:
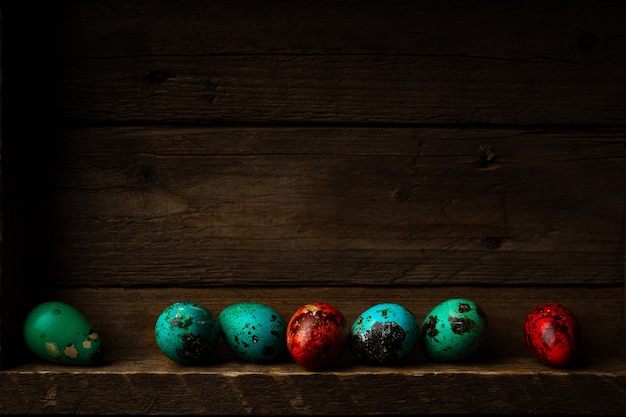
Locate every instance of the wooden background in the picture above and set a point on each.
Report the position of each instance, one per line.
(277, 151)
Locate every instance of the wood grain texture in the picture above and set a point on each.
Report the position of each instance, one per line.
(583, 32)
(359, 89)
(285, 152)
(344, 206)
(269, 62)
(288, 392)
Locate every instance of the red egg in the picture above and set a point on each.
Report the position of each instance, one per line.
(317, 334)
(553, 334)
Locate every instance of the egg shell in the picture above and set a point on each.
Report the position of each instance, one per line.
(455, 329)
(553, 334)
(187, 333)
(254, 331)
(317, 335)
(58, 332)
(384, 334)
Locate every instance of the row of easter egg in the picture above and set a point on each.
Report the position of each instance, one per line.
(318, 333)
(315, 336)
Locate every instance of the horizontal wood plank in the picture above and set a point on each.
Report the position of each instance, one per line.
(266, 391)
(583, 32)
(357, 89)
(280, 206)
(272, 62)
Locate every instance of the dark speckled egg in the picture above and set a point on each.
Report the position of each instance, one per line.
(454, 330)
(317, 335)
(187, 333)
(553, 334)
(254, 331)
(383, 334)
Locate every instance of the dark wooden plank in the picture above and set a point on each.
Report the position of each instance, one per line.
(265, 206)
(275, 61)
(359, 89)
(268, 392)
(582, 32)
(503, 374)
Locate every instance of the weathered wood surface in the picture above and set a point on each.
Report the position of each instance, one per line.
(289, 391)
(278, 151)
(286, 206)
(583, 32)
(339, 89)
(347, 62)
(502, 378)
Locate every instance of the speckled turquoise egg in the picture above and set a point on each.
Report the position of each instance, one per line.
(384, 334)
(453, 330)
(58, 332)
(187, 333)
(254, 331)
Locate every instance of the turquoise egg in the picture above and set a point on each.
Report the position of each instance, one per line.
(254, 331)
(453, 330)
(187, 333)
(58, 332)
(384, 334)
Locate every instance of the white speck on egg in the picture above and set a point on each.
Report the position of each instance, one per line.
(52, 348)
(70, 351)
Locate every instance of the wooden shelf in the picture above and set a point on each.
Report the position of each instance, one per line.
(154, 386)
